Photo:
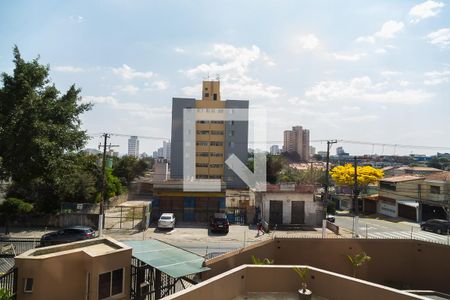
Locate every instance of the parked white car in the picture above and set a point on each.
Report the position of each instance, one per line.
(167, 220)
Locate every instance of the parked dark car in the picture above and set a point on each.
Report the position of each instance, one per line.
(67, 235)
(436, 225)
(219, 222)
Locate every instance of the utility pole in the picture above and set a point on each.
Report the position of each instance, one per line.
(355, 196)
(327, 184)
(102, 212)
(327, 175)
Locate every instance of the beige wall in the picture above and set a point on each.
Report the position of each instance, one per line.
(408, 264)
(269, 279)
(65, 276)
(311, 207)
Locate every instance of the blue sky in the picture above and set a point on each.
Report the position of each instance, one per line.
(375, 71)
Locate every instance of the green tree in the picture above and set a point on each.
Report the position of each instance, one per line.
(5, 294)
(12, 207)
(39, 127)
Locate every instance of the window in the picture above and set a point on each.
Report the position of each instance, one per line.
(435, 189)
(217, 132)
(216, 166)
(110, 284)
(28, 285)
(202, 122)
(202, 143)
(201, 165)
(214, 143)
(203, 132)
(215, 97)
(215, 154)
(203, 154)
(387, 186)
(216, 122)
(206, 95)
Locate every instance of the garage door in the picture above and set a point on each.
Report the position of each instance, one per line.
(370, 207)
(276, 212)
(407, 212)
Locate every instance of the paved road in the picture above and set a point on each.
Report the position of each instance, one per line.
(377, 227)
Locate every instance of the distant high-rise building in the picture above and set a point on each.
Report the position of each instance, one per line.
(160, 152)
(275, 150)
(133, 146)
(341, 152)
(297, 140)
(312, 150)
(216, 140)
(166, 149)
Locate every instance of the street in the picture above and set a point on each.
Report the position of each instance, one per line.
(381, 227)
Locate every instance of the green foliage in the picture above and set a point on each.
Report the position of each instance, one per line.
(113, 185)
(358, 260)
(14, 206)
(303, 274)
(5, 294)
(309, 176)
(40, 131)
(331, 208)
(439, 163)
(274, 164)
(128, 168)
(259, 261)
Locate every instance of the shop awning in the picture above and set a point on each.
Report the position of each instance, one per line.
(169, 259)
(409, 203)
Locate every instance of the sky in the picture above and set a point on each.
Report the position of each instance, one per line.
(371, 71)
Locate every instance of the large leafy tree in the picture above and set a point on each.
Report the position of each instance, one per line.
(39, 127)
(345, 175)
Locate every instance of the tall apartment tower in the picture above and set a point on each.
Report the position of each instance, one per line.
(166, 149)
(133, 146)
(215, 140)
(297, 140)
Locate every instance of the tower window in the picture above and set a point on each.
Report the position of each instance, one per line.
(206, 94)
(215, 97)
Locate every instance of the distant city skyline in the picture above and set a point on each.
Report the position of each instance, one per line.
(363, 71)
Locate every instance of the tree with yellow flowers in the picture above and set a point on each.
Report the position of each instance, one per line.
(344, 175)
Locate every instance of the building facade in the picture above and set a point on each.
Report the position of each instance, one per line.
(215, 140)
(275, 150)
(133, 146)
(297, 140)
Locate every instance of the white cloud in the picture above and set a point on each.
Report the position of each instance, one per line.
(388, 31)
(233, 66)
(135, 109)
(404, 83)
(68, 69)
(308, 41)
(77, 19)
(365, 39)
(389, 73)
(127, 72)
(380, 51)
(348, 57)
(128, 88)
(179, 50)
(425, 10)
(363, 89)
(159, 85)
(440, 37)
(437, 77)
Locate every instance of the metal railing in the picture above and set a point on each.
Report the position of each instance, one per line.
(8, 282)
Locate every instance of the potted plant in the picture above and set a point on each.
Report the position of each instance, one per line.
(259, 261)
(303, 292)
(358, 260)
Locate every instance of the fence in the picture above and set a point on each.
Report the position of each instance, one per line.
(8, 282)
(15, 246)
(127, 217)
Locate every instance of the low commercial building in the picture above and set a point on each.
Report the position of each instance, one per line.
(169, 197)
(435, 196)
(289, 204)
(399, 196)
(90, 269)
